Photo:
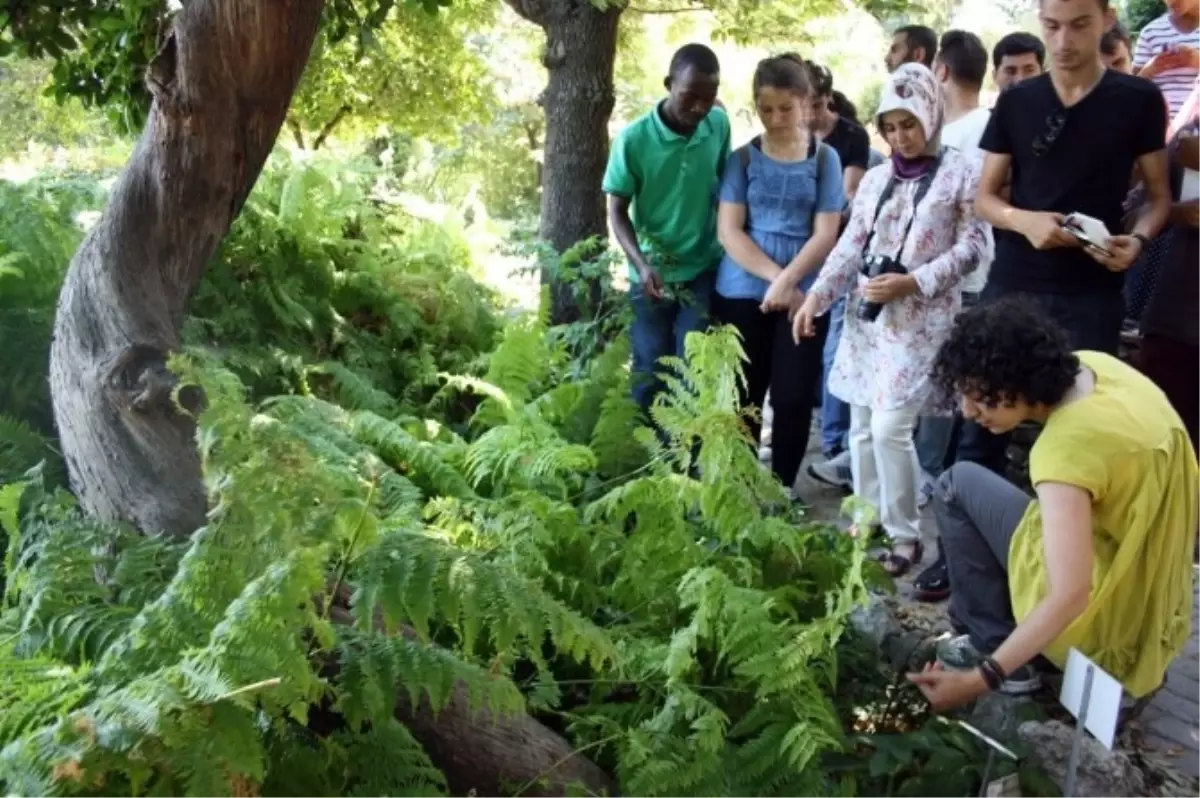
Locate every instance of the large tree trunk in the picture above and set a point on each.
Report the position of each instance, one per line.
(581, 47)
(221, 86)
(484, 754)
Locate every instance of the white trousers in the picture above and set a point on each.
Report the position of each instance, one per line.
(883, 464)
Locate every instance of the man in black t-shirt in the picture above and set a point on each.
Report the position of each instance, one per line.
(1071, 138)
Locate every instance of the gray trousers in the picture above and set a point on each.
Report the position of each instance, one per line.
(977, 514)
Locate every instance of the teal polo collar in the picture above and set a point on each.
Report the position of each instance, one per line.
(703, 130)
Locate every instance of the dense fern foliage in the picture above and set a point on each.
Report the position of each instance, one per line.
(330, 283)
(39, 231)
(654, 601)
(408, 495)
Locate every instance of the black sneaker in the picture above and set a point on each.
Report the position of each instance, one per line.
(933, 584)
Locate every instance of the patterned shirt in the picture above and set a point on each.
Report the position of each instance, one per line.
(1158, 36)
(886, 364)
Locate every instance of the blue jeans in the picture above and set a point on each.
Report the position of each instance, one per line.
(660, 327)
(835, 414)
(933, 439)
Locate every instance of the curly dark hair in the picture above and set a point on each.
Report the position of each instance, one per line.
(1004, 351)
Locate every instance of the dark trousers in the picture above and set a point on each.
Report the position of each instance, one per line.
(1093, 321)
(1173, 366)
(660, 327)
(977, 514)
(791, 371)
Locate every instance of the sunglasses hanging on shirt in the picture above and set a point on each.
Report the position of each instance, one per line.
(1045, 141)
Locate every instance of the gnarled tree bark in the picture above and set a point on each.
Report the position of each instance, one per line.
(221, 85)
(484, 754)
(581, 48)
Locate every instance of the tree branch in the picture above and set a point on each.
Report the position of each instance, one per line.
(297, 133)
(330, 125)
(536, 11)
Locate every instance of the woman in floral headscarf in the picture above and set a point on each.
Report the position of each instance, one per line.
(914, 213)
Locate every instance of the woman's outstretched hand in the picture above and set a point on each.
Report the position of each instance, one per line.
(948, 690)
(803, 325)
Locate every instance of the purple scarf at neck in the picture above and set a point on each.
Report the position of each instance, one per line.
(911, 168)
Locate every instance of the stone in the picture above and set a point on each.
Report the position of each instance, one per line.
(904, 649)
(1000, 716)
(1101, 772)
(874, 621)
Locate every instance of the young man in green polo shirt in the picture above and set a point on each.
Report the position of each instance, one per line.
(665, 170)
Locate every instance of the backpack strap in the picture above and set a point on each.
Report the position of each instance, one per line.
(744, 157)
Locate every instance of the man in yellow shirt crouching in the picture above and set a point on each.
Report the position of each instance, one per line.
(1101, 560)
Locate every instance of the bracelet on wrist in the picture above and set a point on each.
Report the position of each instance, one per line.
(990, 677)
(992, 673)
(995, 666)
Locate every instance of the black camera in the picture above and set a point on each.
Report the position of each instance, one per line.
(874, 266)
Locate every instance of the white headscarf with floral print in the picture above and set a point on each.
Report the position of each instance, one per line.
(913, 88)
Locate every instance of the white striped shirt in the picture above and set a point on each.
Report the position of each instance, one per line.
(1158, 36)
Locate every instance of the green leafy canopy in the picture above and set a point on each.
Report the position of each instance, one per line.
(101, 48)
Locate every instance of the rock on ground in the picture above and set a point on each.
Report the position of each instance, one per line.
(1101, 772)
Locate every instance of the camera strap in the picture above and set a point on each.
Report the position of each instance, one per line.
(923, 184)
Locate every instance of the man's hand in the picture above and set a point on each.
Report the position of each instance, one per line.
(779, 296)
(803, 321)
(1124, 249)
(1044, 230)
(889, 287)
(1187, 57)
(948, 690)
(652, 281)
(1178, 57)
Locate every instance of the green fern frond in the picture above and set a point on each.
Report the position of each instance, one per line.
(35, 692)
(387, 760)
(22, 448)
(354, 391)
(415, 459)
(527, 456)
(522, 361)
(416, 579)
(373, 667)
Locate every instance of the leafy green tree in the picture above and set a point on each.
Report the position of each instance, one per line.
(30, 115)
(418, 72)
(1140, 12)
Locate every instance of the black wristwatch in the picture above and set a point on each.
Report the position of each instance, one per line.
(1145, 241)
